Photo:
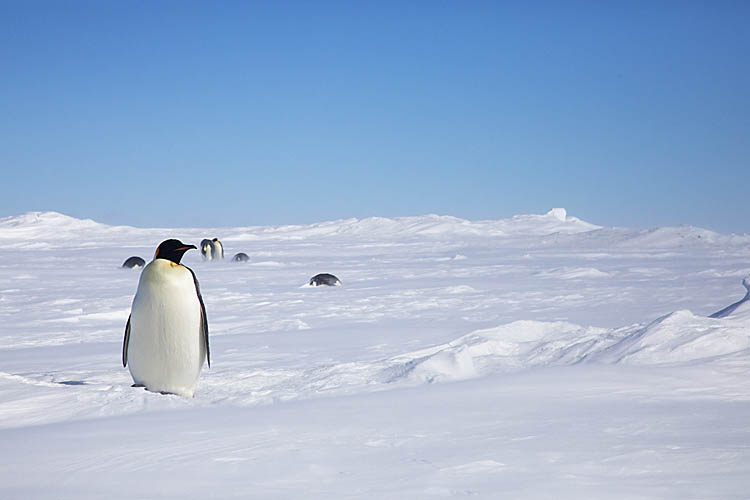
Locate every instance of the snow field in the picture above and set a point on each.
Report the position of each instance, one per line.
(532, 357)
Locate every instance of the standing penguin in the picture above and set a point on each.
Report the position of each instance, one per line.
(166, 337)
(218, 249)
(207, 249)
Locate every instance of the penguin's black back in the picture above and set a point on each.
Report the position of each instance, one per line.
(134, 262)
(324, 279)
(240, 257)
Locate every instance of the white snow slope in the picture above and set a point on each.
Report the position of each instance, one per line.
(533, 357)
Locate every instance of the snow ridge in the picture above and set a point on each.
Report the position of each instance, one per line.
(677, 338)
(555, 228)
(555, 221)
(733, 307)
(42, 225)
(50, 229)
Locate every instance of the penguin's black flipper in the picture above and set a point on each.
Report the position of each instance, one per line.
(204, 319)
(125, 344)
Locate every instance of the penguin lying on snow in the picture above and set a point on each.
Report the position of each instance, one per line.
(207, 249)
(134, 262)
(324, 279)
(166, 336)
(240, 257)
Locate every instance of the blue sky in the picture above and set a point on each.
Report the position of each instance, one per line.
(243, 113)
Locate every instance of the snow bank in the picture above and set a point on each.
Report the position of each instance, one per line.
(511, 347)
(45, 230)
(682, 337)
(686, 237)
(677, 338)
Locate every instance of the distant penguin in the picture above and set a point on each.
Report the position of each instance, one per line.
(240, 257)
(324, 279)
(207, 249)
(166, 336)
(134, 262)
(218, 249)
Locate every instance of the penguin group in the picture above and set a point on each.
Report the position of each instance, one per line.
(166, 340)
(166, 335)
(212, 249)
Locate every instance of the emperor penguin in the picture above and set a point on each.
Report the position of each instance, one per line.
(166, 336)
(218, 249)
(207, 249)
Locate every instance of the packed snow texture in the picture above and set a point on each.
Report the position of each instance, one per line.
(538, 356)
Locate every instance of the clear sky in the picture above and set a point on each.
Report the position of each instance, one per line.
(222, 113)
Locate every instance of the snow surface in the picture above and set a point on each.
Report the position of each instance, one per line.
(538, 356)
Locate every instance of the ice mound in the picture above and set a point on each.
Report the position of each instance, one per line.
(49, 229)
(44, 220)
(679, 337)
(558, 213)
(506, 348)
(442, 366)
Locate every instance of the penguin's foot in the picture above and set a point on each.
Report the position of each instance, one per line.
(179, 394)
(184, 393)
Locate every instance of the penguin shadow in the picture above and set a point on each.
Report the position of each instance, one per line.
(73, 382)
(163, 393)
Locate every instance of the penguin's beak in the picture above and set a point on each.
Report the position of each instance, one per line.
(187, 247)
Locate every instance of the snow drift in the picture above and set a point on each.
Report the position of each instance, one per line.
(462, 357)
(680, 337)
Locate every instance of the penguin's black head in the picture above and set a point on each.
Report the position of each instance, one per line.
(172, 250)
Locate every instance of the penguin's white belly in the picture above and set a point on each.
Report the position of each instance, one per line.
(218, 250)
(166, 350)
(208, 252)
